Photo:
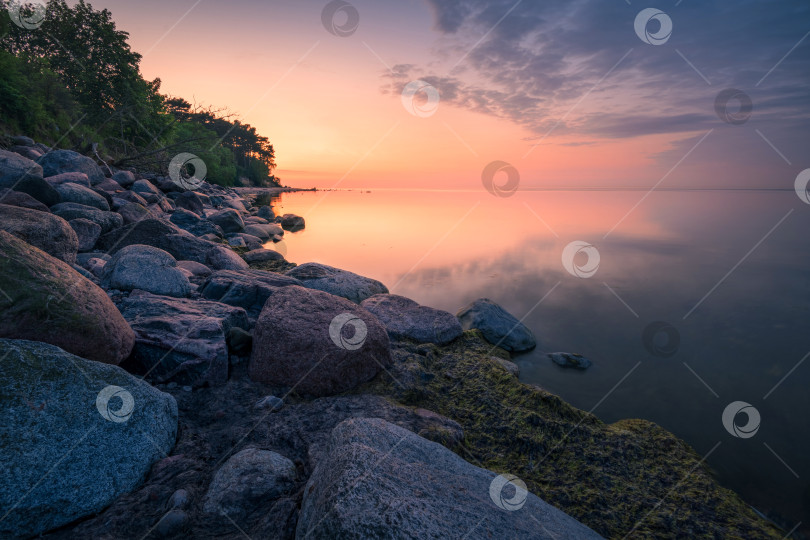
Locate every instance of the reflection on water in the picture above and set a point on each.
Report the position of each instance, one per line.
(728, 272)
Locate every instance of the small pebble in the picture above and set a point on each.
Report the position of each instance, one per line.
(179, 499)
(270, 402)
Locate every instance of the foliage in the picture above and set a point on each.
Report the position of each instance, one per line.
(75, 80)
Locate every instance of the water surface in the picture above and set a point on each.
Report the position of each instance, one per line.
(728, 271)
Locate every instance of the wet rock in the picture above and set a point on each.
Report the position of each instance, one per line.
(498, 326)
(404, 318)
(336, 281)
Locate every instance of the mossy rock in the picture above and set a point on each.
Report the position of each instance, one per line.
(627, 479)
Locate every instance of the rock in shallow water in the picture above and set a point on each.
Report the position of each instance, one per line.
(569, 360)
(316, 343)
(181, 340)
(336, 281)
(46, 300)
(76, 435)
(498, 326)
(379, 478)
(404, 318)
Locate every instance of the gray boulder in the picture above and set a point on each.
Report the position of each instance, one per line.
(69, 178)
(146, 268)
(247, 480)
(128, 196)
(23, 175)
(191, 222)
(86, 231)
(23, 200)
(316, 343)
(190, 201)
(194, 268)
(230, 221)
(266, 212)
(224, 258)
(64, 161)
(47, 300)
(262, 255)
(134, 212)
(248, 289)
(74, 193)
(147, 190)
(107, 220)
(253, 243)
(124, 179)
(49, 233)
(404, 318)
(381, 480)
(76, 435)
(181, 340)
(498, 326)
(336, 281)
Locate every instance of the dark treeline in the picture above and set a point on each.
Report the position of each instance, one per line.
(70, 79)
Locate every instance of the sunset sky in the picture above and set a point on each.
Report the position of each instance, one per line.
(566, 92)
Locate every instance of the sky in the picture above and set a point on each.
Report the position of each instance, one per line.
(427, 93)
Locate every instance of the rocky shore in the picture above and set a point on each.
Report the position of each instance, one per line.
(165, 375)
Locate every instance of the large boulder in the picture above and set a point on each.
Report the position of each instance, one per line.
(404, 318)
(181, 340)
(248, 289)
(224, 258)
(191, 222)
(134, 212)
(498, 326)
(125, 179)
(316, 343)
(49, 233)
(22, 174)
(190, 201)
(247, 480)
(76, 435)
(64, 161)
(23, 200)
(147, 190)
(47, 300)
(146, 268)
(107, 220)
(86, 231)
(378, 478)
(69, 192)
(338, 282)
(230, 221)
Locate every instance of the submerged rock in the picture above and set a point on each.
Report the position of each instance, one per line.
(181, 340)
(404, 318)
(378, 478)
(498, 326)
(338, 282)
(570, 360)
(76, 436)
(47, 300)
(316, 343)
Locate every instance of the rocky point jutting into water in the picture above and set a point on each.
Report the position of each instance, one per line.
(163, 374)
